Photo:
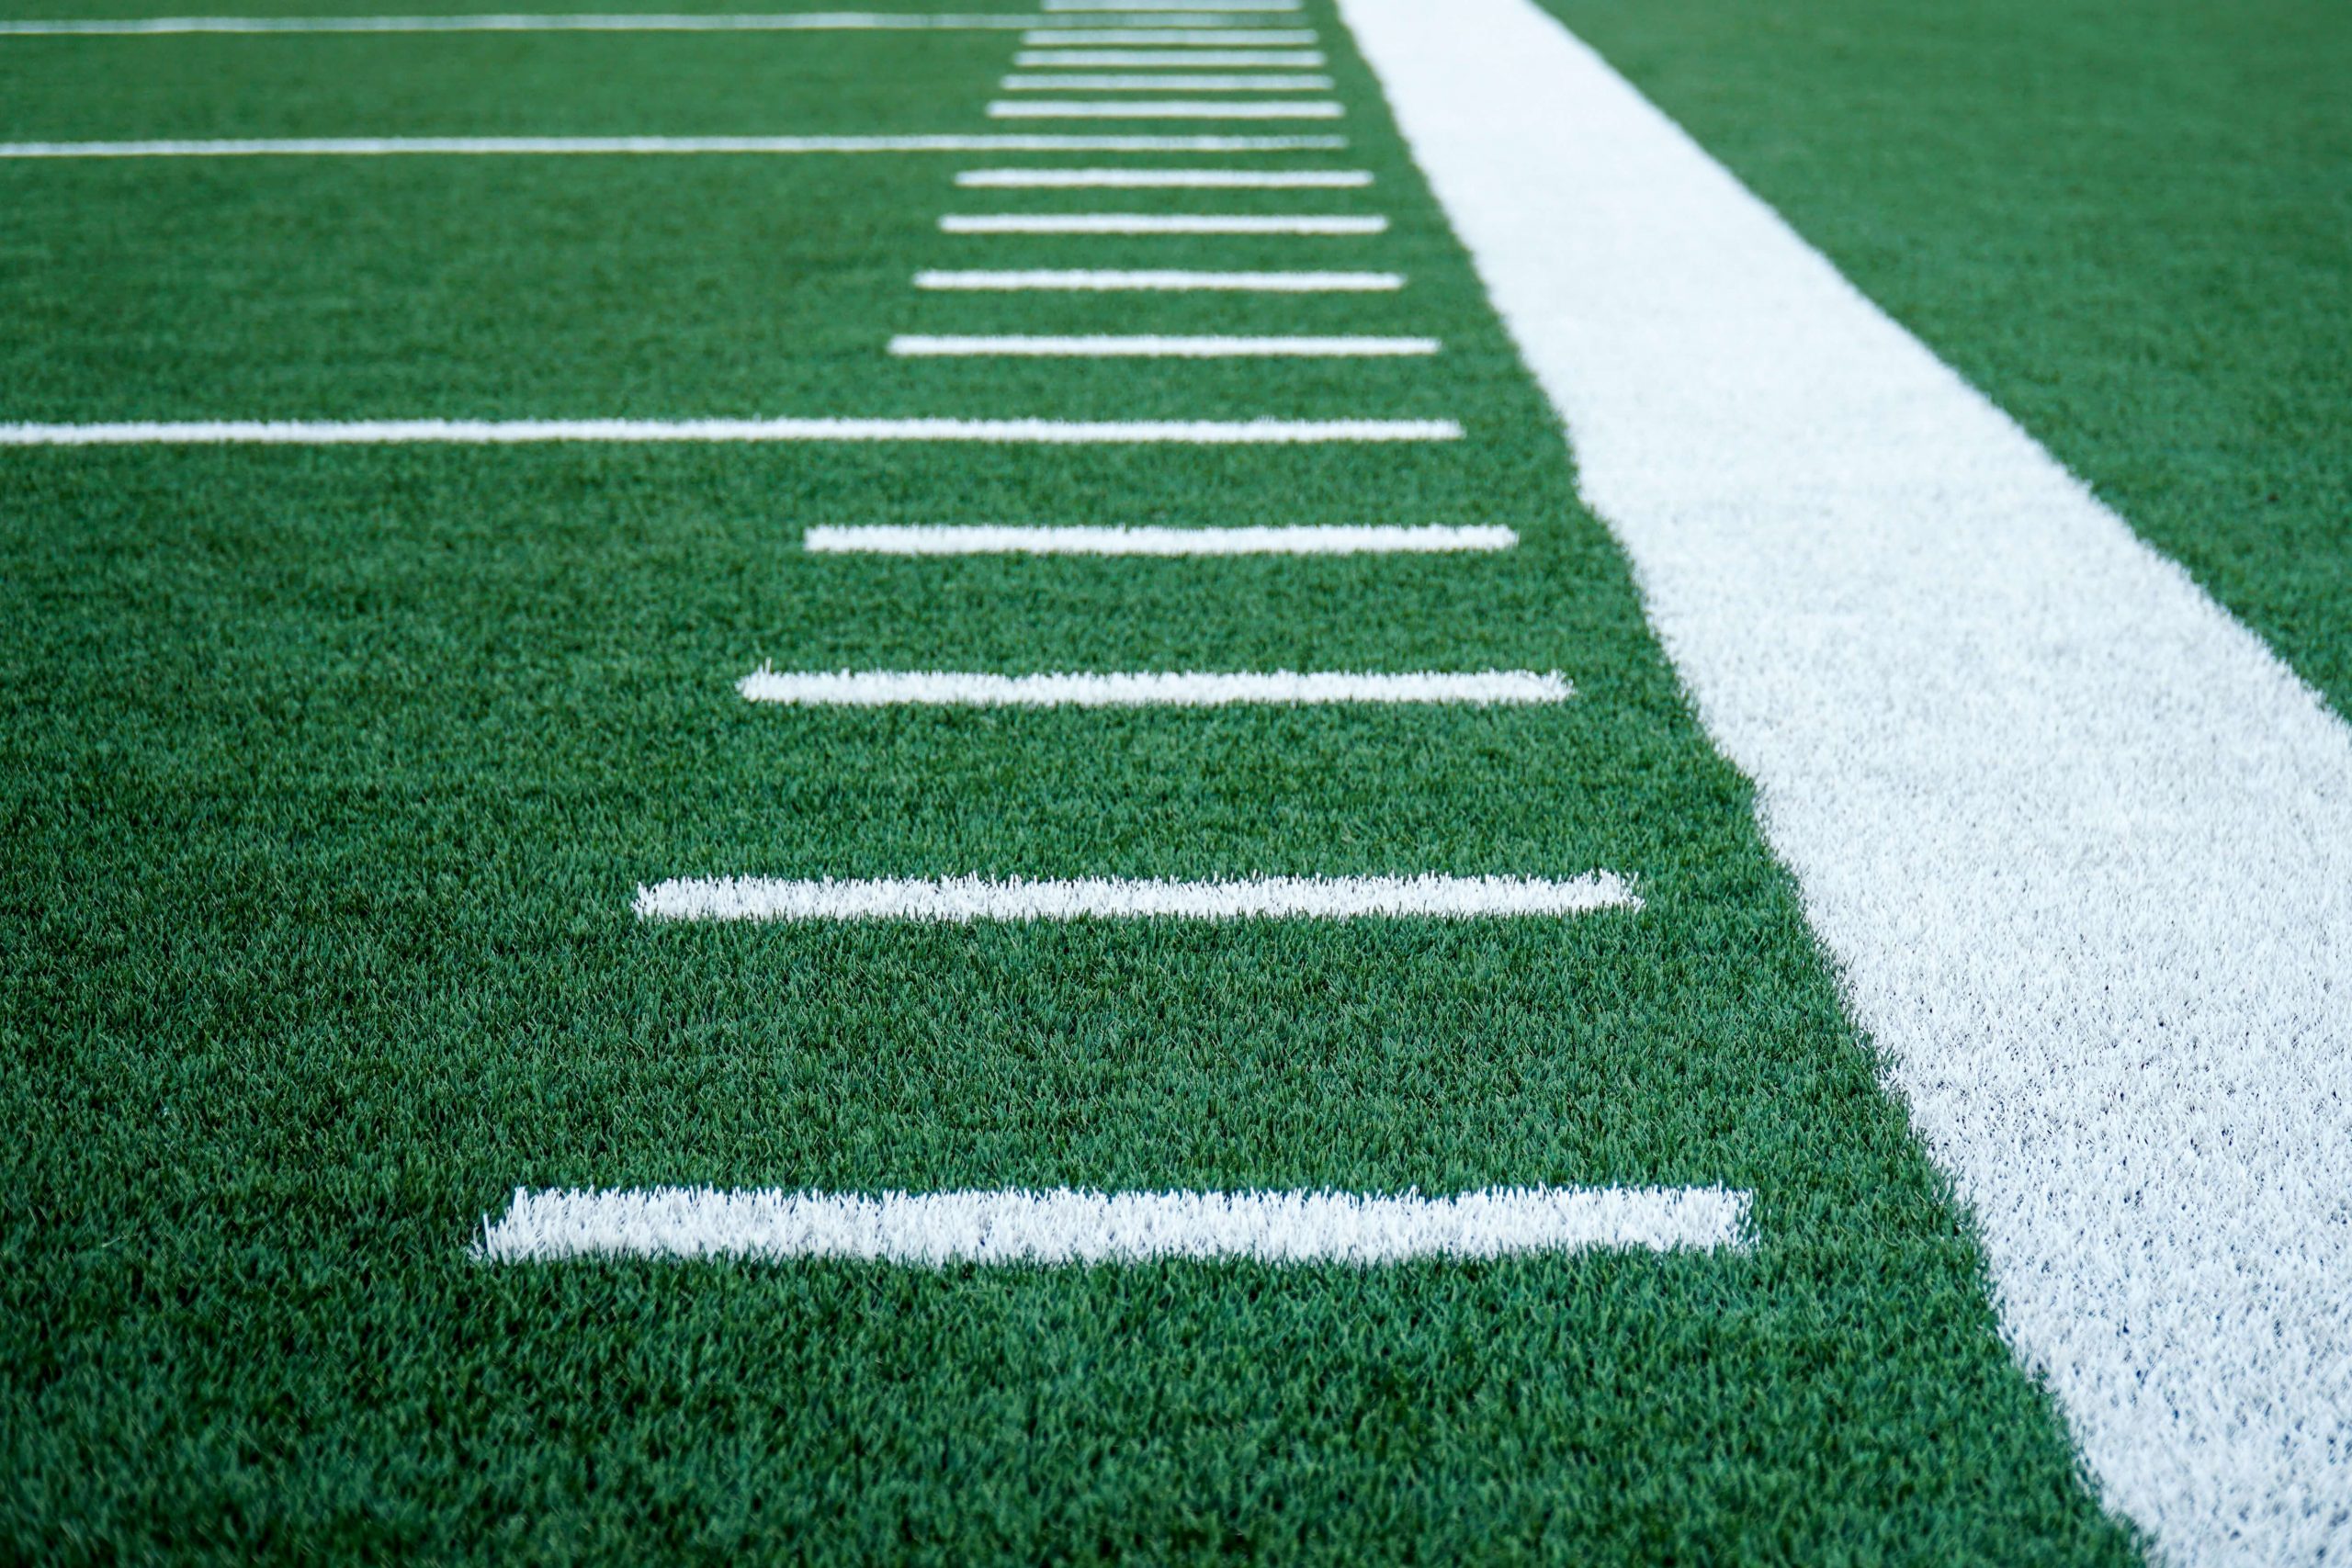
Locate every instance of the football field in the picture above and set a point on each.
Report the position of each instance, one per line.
(1302, 780)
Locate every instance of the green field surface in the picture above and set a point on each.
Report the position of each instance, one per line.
(330, 774)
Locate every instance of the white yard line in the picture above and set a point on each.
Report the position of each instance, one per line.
(1187, 689)
(1168, 282)
(963, 900)
(916, 346)
(1163, 82)
(2080, 845)
(1061, 1226)
(1164, 179)
(524, 22)
(1142, 6)
(509, 432)
(1165, 109)
(1157, 223)
(886, 540)
(663, 146)
(1171, 58)
(1178, 38)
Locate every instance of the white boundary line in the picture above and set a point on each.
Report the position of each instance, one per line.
(1161, 81)
(1166, 109)
(525, 22)
(915, 346)
(1171, 58)
(1165, 282)
(497, 433)
(1189, 689)
(664, 146)
(1164, 179)
(1177, 38)
(1062, 1226)
(1158, 223)
(1140, 7)
(883, 539)
(2079, 844)
(963, 900)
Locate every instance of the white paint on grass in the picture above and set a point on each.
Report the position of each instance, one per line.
(525, 22)
(963, 900)
(988, 540)
(1166, 282)
(1186, 689)
(1169, 38)
(1163, 82)
(510, 432)
(1157, 223)
(1164, 179)
(1061, 1226)
(1170, 58)
(1165, 109)
(912, 346)
(1145, 6)
(663, 146)
(2080, 844)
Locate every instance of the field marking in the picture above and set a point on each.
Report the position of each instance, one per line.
(960, 901)
(1171, 58)
(510, 432)
(1165, 109)
(1163, 82)
(1170, 282)
(1187, 689)
(664, 146)
(524, 22)
(919, 347)
(1164, 179)
(1144, 6)
(1062, 1226)
(1157, 223)
(1176, 37)
(2079, 844)
(884, 539)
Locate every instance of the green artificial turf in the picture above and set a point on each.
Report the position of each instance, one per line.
(2131, 227)
(329, 776)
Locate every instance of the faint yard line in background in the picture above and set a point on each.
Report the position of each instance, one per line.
(1062, 1226)
(659, 146)
(1165, 282)
(1179, 38)
(1159, 223)
(1164, 179)
(892, 688)
(962, 900)
(515, 432)
(1171, 58)
(915, 346)
(1164, 81)
(1165, 109)
(525, 22)
(985, 539)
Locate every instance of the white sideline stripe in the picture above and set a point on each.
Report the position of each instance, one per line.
(894, 688)
(502, 146)
(1171, 58)
(1060, 1226)
(1164, 179)
(912, 346)
(525, 22)
(1156, 223)
(2079, 844)
(987, 540)
(1166, 282)
(963, 900)
(507, 432)
(1145, 5)
(1165, 109)
(1179, 38)
(1162, 82)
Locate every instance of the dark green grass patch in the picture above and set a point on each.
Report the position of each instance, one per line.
(329, 774)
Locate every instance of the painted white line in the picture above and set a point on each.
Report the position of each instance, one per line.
(1178, 38)
(1164, 179)
(963, 900)
(1165, 109)
(1188, 689)
(1170, 58)
(508, 431)
(1166, 282)
(916, 346)
(522, 22)
(1163, 82)
(1011, 1226)
(2079, 844)
(1156, 223)
(505, 146)
(1140, 6)
(989, 540)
